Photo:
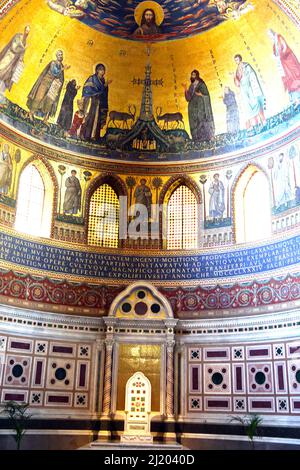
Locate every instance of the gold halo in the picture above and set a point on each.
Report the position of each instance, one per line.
(158, 10)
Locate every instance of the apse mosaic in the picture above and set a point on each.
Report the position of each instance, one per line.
(182, 99)
(149, 20)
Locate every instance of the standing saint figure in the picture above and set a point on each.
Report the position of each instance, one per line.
(65, 116)
(288, 64)
(5, 170)
(282, 180)
(45, 93)
(12, 61)
(77, 120)
(143, 195)
(232, 111)
(251, 92)
(95, 96)
(72, 199)
(216, 202)
(201, 118)
(148, 24)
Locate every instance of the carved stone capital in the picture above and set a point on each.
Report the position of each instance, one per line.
(170, 345)
(109, 344)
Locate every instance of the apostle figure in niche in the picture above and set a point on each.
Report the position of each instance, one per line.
(66, 112)
(5, 170)
(232, 111)
(44, 96)
(200, 113)
(252, 95)
(282, 180)
(288, 64)
(148, 25)
(72, 200)
(95, 96)
(143, 195)
(216, 202)
(12, 61)
(77, 120)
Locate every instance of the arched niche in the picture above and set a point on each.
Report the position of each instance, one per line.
(252, 205)
(40, 167)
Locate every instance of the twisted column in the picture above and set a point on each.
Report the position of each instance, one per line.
(170, 379)
(107, 377)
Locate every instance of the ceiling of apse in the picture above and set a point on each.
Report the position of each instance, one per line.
(173, 19)
(142, 105)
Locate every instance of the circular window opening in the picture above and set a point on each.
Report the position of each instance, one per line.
(155, 308)
(141, 294)
(126, 307)
(141, 308)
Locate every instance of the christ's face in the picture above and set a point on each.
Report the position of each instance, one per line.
(237, 60)
(149, 17)
(193, 77)
(60, 56)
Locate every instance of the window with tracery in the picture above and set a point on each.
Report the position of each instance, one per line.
(104, 211)
(30, 213)
(182, 220)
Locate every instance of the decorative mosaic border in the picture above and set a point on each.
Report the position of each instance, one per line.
(84, 298)
(287, 7)
(6, 6)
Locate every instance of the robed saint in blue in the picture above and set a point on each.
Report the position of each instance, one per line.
(95, 95)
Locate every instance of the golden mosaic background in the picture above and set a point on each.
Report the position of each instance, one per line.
(212, 53)
(144, 358)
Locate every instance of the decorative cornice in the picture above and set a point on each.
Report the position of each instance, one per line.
(268, 326)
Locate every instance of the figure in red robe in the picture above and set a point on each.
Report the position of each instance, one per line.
(77, 120)
(288, 64)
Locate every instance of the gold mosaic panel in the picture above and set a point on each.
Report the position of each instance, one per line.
(144, 358)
